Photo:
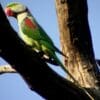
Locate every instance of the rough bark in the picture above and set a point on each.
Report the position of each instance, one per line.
(33, 69)
(76, 42)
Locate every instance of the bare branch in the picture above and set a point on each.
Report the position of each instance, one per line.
(98, 61)
(6, 69)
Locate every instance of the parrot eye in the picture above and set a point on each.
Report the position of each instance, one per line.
(8, 12)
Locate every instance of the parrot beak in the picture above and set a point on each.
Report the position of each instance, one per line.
(8, 12)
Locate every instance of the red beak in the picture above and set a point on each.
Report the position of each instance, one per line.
(8, 12)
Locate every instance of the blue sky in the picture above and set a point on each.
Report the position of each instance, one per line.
(12, 86)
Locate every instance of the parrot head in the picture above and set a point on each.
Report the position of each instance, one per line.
(13, 9)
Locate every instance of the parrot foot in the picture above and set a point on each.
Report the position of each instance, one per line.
(47, 58)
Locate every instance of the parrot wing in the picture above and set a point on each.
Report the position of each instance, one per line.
(32, 30)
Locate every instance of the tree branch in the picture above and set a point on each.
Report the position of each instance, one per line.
(32, 68)
(98, 61)
(6, 69)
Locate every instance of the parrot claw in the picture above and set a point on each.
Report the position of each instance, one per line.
(49, 60)
(37, 50)
(45, 56)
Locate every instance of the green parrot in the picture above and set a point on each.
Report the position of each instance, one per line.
(33, 34)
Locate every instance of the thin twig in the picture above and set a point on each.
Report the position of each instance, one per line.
(6, 69)
(98, 61)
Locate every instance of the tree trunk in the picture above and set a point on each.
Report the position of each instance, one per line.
(76, 42)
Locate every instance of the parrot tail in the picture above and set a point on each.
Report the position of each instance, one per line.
(64, 68)
(75, 81)
(60, 52)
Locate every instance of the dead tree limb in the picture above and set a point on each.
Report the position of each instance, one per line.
(76, 42)
(6, 69)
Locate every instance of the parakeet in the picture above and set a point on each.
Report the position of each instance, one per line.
(33, 34)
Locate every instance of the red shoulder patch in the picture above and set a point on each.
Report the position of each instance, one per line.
(29, 23)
